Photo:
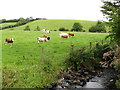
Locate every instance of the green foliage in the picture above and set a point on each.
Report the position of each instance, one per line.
(86, 56)
(100, 49)
(27, 28)
(37, 29)
(63, 29)
(22, 21)
(99, 27)
(77, 27)
(118, 83)
(111, 9)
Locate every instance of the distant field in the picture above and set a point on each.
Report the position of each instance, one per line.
(56, 24)
(38, 64)
(7, 24)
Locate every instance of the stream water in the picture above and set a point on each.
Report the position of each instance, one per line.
(106, 80)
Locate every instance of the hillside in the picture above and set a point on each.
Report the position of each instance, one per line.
(56, 24)
(7, 24)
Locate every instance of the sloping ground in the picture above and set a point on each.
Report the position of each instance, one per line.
(7, 24)
(56, 24)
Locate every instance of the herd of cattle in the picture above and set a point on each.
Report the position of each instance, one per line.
(44, 38)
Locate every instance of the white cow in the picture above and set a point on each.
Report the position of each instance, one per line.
(45, 31)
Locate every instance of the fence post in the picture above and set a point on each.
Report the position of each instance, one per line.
(72, 46)
(90, 45)
(42, 56)
(102, 42)
(97, 44)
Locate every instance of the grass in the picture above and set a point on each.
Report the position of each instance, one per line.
(56, 24)
(7, 24)
(33, 66)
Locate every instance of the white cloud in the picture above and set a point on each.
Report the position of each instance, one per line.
(52, 9)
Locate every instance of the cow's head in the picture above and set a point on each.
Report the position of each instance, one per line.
(12, 39)
(48, 38)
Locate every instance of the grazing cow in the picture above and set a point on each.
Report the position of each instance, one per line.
(64, 35)
(45, 31)
(45, 36)
(43, 39)
(9, 40)
(71, 34)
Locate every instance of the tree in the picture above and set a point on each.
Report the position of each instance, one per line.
(111, 10)
(21, 21)
(99, 27)
(37, 29)
(27, 28)
(77, 27)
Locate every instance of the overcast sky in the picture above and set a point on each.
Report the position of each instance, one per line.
(52, 9)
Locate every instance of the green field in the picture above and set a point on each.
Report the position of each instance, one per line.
(36, 65)
(7, 24)
(56, 24)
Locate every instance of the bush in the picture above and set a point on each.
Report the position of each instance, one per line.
(63, 29)
(27, 28)
(81, 57)
(77, 27)
(99, 27)
(86, 57)
(37, 29)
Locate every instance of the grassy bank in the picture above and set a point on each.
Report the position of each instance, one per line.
(29, 64)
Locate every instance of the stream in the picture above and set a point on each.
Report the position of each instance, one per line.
(106, 80)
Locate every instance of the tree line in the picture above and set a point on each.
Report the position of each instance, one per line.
(19, 22)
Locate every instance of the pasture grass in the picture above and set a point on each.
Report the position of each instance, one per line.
(34, 65)
(7, 24)
(56, 24)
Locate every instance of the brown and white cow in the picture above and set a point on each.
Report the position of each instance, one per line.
(71, 34)
(64, 35)
(45, 36)
(42, 39)
(9, 40)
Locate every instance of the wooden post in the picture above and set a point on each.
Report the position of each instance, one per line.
(90, 45)
(42, 56)
(72, 46)
(97, 44)
(102, 42)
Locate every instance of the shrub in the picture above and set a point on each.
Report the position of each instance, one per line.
(63, 29)
(99, 27)
(27, 28)
(37, 29)
(86, 56)
(77, 27)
